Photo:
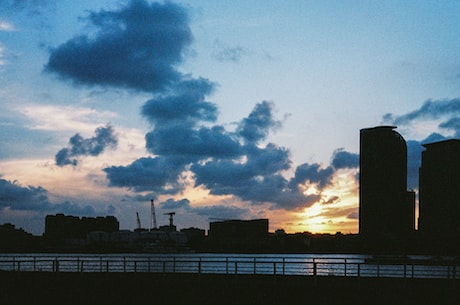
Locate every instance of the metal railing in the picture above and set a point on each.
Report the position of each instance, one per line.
(344, 267)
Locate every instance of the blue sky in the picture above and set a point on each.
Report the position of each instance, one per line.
(215, 109)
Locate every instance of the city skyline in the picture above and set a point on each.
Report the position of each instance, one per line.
(241, 111)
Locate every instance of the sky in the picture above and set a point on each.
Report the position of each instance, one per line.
(215, 109)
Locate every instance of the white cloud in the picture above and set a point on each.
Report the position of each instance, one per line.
(54, 118)
(2, 52)
(6, 26)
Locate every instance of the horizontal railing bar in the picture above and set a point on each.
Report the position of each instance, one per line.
(322, 266)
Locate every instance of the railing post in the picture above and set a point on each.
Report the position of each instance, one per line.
(174, 264)
(359, 269)
(378, 270)
(274, 268)
(405, 269)
(284, 267)
(345, 267)
(100, 264)
(135, 266)
(149, 264)
(19, 266)
(199, 266)
(107, 266)
(236, 267)
(254, 269)
(314, 268)
(124, 263)
(226, 265)
(35, 263)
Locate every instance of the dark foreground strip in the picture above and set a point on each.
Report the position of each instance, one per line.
(191, 289)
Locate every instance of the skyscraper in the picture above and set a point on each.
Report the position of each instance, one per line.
(386, 208)
(439, 216)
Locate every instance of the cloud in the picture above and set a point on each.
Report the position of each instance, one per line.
(257, 125)
(171, 204)
(159, 174)
(331, 200)
(194, 144)
(105, 137)
(429, 110)
(6, 26)
(343, 159)
(313, 173)
(452, 124)
(136, 47)
(225, 53)
(446, 111)
(185, 104)
(139, 47)
(2, 52)
(216, 211)
(13, 196)
(52, 117)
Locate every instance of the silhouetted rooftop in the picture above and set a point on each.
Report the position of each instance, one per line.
(444, 142)
(380, 127)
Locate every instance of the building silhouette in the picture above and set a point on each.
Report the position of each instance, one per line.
(386, 208)
(62, 226)
(238, 235)
(439, 197)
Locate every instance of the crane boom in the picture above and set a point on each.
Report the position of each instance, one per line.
(138, 221)
(153, 225)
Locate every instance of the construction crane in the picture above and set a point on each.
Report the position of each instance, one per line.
(138, 221)
(153, 225)
(171, 220)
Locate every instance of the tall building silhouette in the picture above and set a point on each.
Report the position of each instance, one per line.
(439, 213)
(386, 208)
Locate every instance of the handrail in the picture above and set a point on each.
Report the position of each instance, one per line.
(343, 267)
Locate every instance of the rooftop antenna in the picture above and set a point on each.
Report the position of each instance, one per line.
(153, 224)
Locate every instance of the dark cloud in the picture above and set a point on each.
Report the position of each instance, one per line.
(257, 125)
(139, 47)
(452, 124)
(331, 200)
(159, 174)
(414, 158)
(136, 47)
(313, 173)
(216, 211)
(429, 110)
(79, 146)
(344, 159)
(448, 110)
(171, 204)
(186, 103)
(20, 198)
(181, 140)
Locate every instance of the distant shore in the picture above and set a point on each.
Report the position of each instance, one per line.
(190, 289)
